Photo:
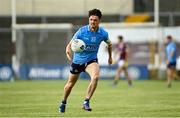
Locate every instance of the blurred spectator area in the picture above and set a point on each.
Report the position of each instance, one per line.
(61, 11)
(75, 12)
(6, 46)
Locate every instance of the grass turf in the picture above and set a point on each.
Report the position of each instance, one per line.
(41, 99)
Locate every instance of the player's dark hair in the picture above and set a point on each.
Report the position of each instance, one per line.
(95, 12)
(169, 37)
(120, 37)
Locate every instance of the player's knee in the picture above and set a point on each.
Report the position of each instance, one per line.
(95, 79)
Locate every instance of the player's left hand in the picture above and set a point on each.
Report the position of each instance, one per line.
(110, 61)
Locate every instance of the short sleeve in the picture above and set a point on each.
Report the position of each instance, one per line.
(77, 34)
(106, 37)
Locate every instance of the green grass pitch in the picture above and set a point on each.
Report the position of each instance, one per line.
(148, 98)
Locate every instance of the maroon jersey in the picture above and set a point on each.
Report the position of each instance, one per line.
(121, 47)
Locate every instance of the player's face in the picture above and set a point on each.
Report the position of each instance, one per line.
(168, 41)
(120, 41)
(94, 22)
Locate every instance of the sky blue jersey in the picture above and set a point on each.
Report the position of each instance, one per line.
(92, 41)
(171, 47)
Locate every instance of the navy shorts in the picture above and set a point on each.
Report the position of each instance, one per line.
(78, 68)
(171, 65)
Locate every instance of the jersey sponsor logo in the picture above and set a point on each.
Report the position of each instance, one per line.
(91, 47)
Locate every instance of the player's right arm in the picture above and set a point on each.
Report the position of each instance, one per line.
(68, 47)
(69, 51)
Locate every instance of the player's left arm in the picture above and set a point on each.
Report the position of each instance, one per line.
(109, 46)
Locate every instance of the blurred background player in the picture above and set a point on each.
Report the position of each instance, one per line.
(121, 50)
(87, 60)
(171, 57)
